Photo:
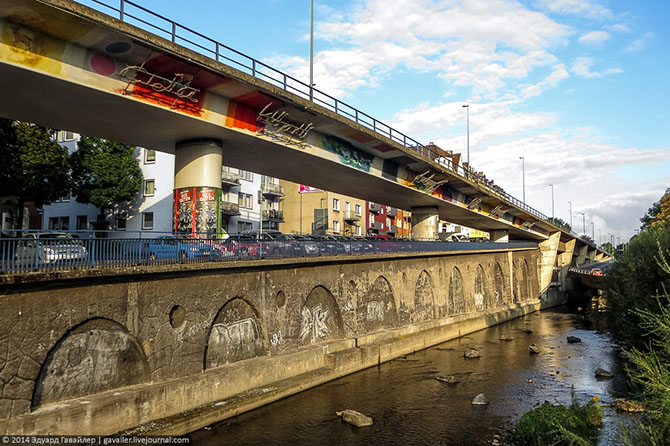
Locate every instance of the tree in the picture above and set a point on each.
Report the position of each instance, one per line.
(659, 211)
(105, 173)
(35, 168)
(560, 223)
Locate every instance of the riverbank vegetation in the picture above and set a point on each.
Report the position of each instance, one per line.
(554, 424)
(638, 313)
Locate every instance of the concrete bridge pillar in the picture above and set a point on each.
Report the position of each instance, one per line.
(548, 254)
(197, 187)
(425, 222)
(499, 235)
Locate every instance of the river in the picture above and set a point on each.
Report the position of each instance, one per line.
(410, 407)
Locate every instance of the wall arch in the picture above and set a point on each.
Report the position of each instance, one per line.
(320, 317)
(235, 334)
(482, 298)
(525, 281)
(377, 308)
(94, 356)
(456, 293)
(424, 298)
(498, 285)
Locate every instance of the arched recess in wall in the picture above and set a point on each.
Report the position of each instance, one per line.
(235, 334)
(320, 317)
(482, 298)
(377, 308)
(525, 281)
(516, 295)
(424, 298)
(456, 294)
(499, 285)
(94, 356)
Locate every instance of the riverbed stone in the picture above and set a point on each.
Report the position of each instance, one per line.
(354, 417)
(534, 349)
(625, 405)
(505, 338)
(448, 379)
(527, 331)
(480, 400)
(602, 373)
(472, 353)
(573, 340)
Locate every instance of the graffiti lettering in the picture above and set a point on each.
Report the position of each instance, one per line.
(240, 332)
(276, 339)
(179, 85)
(277, 128)
(479, 300)
(375, 311)
(424, 182)
(314, 323)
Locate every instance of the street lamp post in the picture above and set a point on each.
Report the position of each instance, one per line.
(552, 201)
(570, 203)
(593, 232)
(311, 54)
(523, 177)
(583, 224)
(467, 110)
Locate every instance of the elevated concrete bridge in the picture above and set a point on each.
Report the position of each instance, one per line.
(68, 66)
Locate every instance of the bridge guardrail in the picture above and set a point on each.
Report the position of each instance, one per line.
(51, 252)
(135, 14)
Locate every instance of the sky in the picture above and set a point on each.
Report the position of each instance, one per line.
(578, 88)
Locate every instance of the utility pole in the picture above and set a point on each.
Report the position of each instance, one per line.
(523, 177)
(467, 109)
(552, 201)
(311, 54)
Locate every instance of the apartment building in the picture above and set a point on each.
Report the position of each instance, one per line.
(310, 210)
(387, 220)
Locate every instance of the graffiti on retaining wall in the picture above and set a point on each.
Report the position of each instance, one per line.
(240, 332)
(314, 323)
(276, 339)
(375, 311)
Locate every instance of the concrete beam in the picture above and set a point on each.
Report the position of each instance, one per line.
(500, 236)
(548, 254)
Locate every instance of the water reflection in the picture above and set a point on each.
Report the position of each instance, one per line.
(409, 406)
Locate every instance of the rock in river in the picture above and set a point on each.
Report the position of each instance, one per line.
(602, 373)
(505, 338)
(448, 379)
(573, 339)
(480, 400)
(355, 418)
(472, 354)
(534, 349)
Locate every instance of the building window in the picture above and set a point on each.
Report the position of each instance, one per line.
(388, 222)
(358, 210)
(371, 220)
(120, 222)
(347, 207)
(65, 198)
(245, 200)
(358, 230)
(59, 223)
(243, 226)
(82, 222)
(149, 156)
(149, 187)
(64, 135)
(147, 220)
(246, 175)
(336, 226)
(336, 204)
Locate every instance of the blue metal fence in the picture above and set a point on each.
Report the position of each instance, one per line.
(44, 251)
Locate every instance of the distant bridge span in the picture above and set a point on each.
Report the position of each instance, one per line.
(68, 66)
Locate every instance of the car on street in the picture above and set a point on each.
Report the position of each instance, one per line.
(181, 248)
(50, 249)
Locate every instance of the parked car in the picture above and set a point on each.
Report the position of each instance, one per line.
(277, 244)
(50, 248)
(383, 243)
(331, 245)
(180, 247)
(597, 272)
(310, 245)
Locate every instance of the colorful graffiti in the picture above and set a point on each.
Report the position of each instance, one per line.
(348, 154)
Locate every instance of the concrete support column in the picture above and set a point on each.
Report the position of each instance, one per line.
(548, 254)
(499, 235)
(197, 187)
(425, 221)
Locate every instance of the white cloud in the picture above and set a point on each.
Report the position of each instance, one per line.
(583, 8)
(582, 67)
(638, 44)
(594, 38)
(620, 27)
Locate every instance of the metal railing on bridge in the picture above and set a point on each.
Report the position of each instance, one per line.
(54, 251)
(134, 14)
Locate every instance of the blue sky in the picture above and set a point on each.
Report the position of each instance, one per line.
(576, 87)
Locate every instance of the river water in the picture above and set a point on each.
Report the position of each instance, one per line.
(410, 407)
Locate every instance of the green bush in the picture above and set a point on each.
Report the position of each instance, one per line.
(633, 283)
(552, 424)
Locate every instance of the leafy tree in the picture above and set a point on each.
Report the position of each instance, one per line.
(658, 212)
(105, 173)
(35, 168)
(560, 223)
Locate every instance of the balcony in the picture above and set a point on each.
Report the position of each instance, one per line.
(270, 189)
(229, 178)
(376, 208)
(391, 212)
(392, 230)
(228, 208)
(351, 216)
(273, 215)
(377, 226)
